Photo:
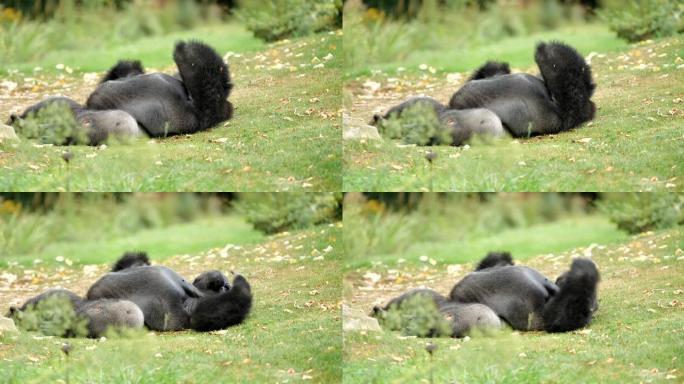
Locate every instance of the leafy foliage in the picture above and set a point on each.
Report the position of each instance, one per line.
(418, 124)
(54, 316)
(54, 124)
(273, 20)
(277, 212)
(644, 19)
(417, 316)
(641, 212)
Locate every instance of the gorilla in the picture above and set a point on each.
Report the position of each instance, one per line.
(519, 296)
(525, 105)
(128, 102)
(136, 293)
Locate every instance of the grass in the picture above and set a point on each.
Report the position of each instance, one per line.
(285, 134)
(634, 144)
(292, 334)
(636, 335)
(525, 242)
(188, 238)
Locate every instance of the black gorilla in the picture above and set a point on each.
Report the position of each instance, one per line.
(526, 105)
(136, 294)
(521, 296)
(129, 102)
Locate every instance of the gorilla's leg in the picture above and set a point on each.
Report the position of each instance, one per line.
(106, 313)
(398, 109)
(572, 307)
(131, 259)
(495, 259)
(467, 123)
(102, 125)
(439, 300)
(568, 78)
(465, 318)
(207, 80)
(123, 68)
(222, 310)
(490, 69)
(211, 282)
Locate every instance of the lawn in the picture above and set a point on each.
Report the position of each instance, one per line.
(285, 134)
(636, 335)
(634, 144)
(292, 334)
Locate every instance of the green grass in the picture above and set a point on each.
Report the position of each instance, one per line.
(636, 335)
(634, 144)
(153, 52)
(285, 134)
(552, 237)
(291, 335)
(188, 238)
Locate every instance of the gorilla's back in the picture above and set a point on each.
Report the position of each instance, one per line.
(158, 102)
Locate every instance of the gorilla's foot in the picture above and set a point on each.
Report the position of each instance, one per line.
(572, 307)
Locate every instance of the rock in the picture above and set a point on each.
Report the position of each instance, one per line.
(357, 129)
(355, 320)
(7, 133)
(7, 325)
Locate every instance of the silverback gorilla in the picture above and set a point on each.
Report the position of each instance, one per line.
(136, 293)
(494, 101)
(517, 295)
(129, 102)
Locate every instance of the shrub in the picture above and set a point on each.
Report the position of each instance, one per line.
(644, 19)
(640, 212)
(418, 316)
(54, 316)
(54, 124)
(277, 212)
(418, 124)
(273, 20)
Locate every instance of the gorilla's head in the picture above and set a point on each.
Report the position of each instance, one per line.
(211, 282)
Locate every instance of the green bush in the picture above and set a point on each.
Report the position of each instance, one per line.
(644, 19)
(418, 124)
(54, 316)
(53, 124)
(418, 316)
(273, 20)
(277, 212)
(640, 212)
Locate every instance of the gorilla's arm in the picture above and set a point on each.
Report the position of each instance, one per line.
(397, 110)
(397, 301)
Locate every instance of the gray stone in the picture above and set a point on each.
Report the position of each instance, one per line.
(7, 325)
(7, 133)
(356, 321)
(357, 129)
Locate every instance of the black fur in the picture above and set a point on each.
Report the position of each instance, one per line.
(211, 282)
(568, 78)
(495, 259)
(491, 69)
(223, 310)
(573, 306)
(130, 260)
(207, 79)
(123, 69)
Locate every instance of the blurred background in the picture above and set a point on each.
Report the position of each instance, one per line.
(458, 35)
(98, 227)
(396, 228)
(91, 34)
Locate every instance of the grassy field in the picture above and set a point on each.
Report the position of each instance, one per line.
(285, 134)
(292, 334)
(636, 335)
(634, 144)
